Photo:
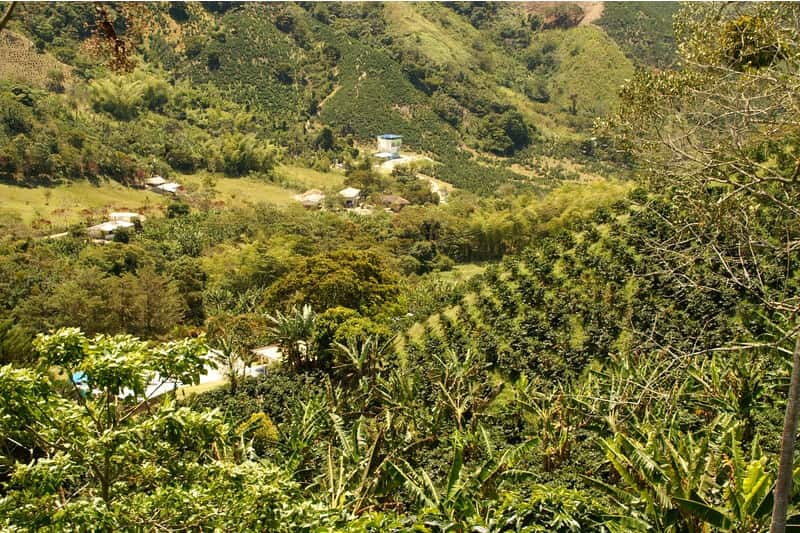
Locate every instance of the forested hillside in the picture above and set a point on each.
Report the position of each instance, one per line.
(572, 307)
(473, 82)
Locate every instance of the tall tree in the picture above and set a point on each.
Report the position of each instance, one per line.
(718, 137)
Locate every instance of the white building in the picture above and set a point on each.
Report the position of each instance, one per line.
(389, 145)
(350, 196)
(155, 181)
(106, 229)
(169, 187)
(268, 354)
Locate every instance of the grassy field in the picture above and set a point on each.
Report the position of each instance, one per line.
(462, 272)
(64, 205)
(54, 209)
(289, 181)
(591, 67)
(239, 191)
(308, 178)
(425, 32)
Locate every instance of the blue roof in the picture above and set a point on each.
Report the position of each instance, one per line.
(79, 378)
(390, 136)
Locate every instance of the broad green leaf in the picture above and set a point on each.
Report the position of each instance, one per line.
(705, 512)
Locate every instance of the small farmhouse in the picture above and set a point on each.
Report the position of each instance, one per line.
(107, 229)
(267, 355)
(169, 187)
(350, 196)
(311, 199)
(389, 145)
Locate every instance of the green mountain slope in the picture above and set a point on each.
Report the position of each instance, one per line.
(643, 30)
(467, 85)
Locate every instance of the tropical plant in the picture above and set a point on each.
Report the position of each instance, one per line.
(464, 490)
(362, 358)
(293, 332)
(83, 440)
(717, 134)
(119, 96)
(682, 481)
(356, 470)
(747, 499)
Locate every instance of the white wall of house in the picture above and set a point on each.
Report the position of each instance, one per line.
(390, 146)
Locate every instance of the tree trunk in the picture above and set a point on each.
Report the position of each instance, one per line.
(7, 15)
(783, 486)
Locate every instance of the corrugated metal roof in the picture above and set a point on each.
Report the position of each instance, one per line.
(111, 225)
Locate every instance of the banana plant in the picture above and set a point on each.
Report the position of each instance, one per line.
(406, 413)
(732, 383)
(292, 332)
(459, 387)
(660, 469)
(354, 469)
(464, 490)
(677, 481)
(551, 416)
(298, 438)
(362, 359)
(746, 492)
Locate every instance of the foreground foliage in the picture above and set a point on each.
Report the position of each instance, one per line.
(620, 367)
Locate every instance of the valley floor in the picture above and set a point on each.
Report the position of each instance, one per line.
(55, 209)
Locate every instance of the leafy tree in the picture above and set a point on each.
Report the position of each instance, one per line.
(723, 159)
(177, 209)
(359, 280)
(119, 96)
(324, 140)
(15, 344)
(285, 22)
(447, 108)
(238, 155)
(505, 133)
(148, 303)
(90, 442)
(190, 280)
